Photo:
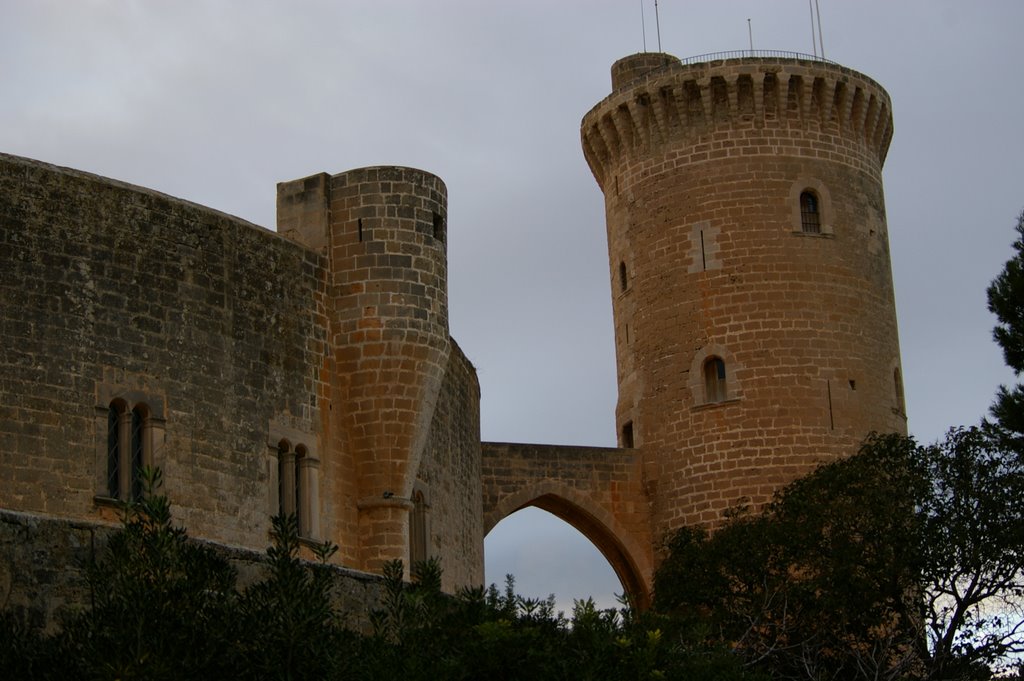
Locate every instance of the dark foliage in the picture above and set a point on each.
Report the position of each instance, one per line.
(1006, 301)
(287, 626)
(162, 606)
(819, 583)
(900, 562)
(168, 608)
(972, 549)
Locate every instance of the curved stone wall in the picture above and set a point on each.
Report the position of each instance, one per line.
(704, 168)
(110, 290)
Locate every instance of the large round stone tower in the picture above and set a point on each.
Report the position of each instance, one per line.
(755, 325)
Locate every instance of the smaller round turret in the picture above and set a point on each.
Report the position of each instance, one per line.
(636, 66)
(389, 285)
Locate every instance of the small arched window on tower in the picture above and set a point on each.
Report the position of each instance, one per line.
(129, 445)
(287, 485)
(810, 212)
(623, 277)
(139, 455)
(714, 380)
(297, 487)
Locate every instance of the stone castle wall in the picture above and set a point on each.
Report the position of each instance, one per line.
(384, 232)
(110, 290)
(333, 335)
(229, 334)
(43, 593)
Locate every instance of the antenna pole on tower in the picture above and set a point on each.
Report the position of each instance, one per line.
(643, 24)
(750, 34)
(657, 24)
(814, 44)
(820, 43)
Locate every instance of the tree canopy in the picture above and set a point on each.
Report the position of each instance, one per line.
(1006, 301)
(169, 608)
(903, 561)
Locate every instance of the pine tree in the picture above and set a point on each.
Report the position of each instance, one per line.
(1006, 301)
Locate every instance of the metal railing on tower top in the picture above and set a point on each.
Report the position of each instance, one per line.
(741, 54)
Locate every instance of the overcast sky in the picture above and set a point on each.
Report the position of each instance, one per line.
(216, 101)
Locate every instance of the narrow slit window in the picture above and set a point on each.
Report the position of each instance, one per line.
(623, 277)
(286, 479)
(627, 435)
(810, 213)
(898, 386)
(419, 548)
(438, 227)
(298, 487)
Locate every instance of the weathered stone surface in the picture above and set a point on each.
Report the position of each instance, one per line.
(238, 340)
(43, 571)
(317, 362)
(108, 289)
(702, 167)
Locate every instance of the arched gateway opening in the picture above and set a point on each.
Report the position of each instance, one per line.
(593, 523)
(548, 556)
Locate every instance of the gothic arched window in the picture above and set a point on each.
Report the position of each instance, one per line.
(298, 487)
(129, 444)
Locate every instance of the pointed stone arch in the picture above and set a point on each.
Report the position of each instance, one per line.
(626, 556)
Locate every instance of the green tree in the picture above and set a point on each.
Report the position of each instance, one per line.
(972, 545)
(1006, 301)
(496, 634)
(288, 627)
(421, 633)
(818, 584)
(161, 605)
(901, 561)
(166, 607)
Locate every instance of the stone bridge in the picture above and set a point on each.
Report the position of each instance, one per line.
(596, 490)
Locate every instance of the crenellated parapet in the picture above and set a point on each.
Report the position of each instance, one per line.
(660, 102)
